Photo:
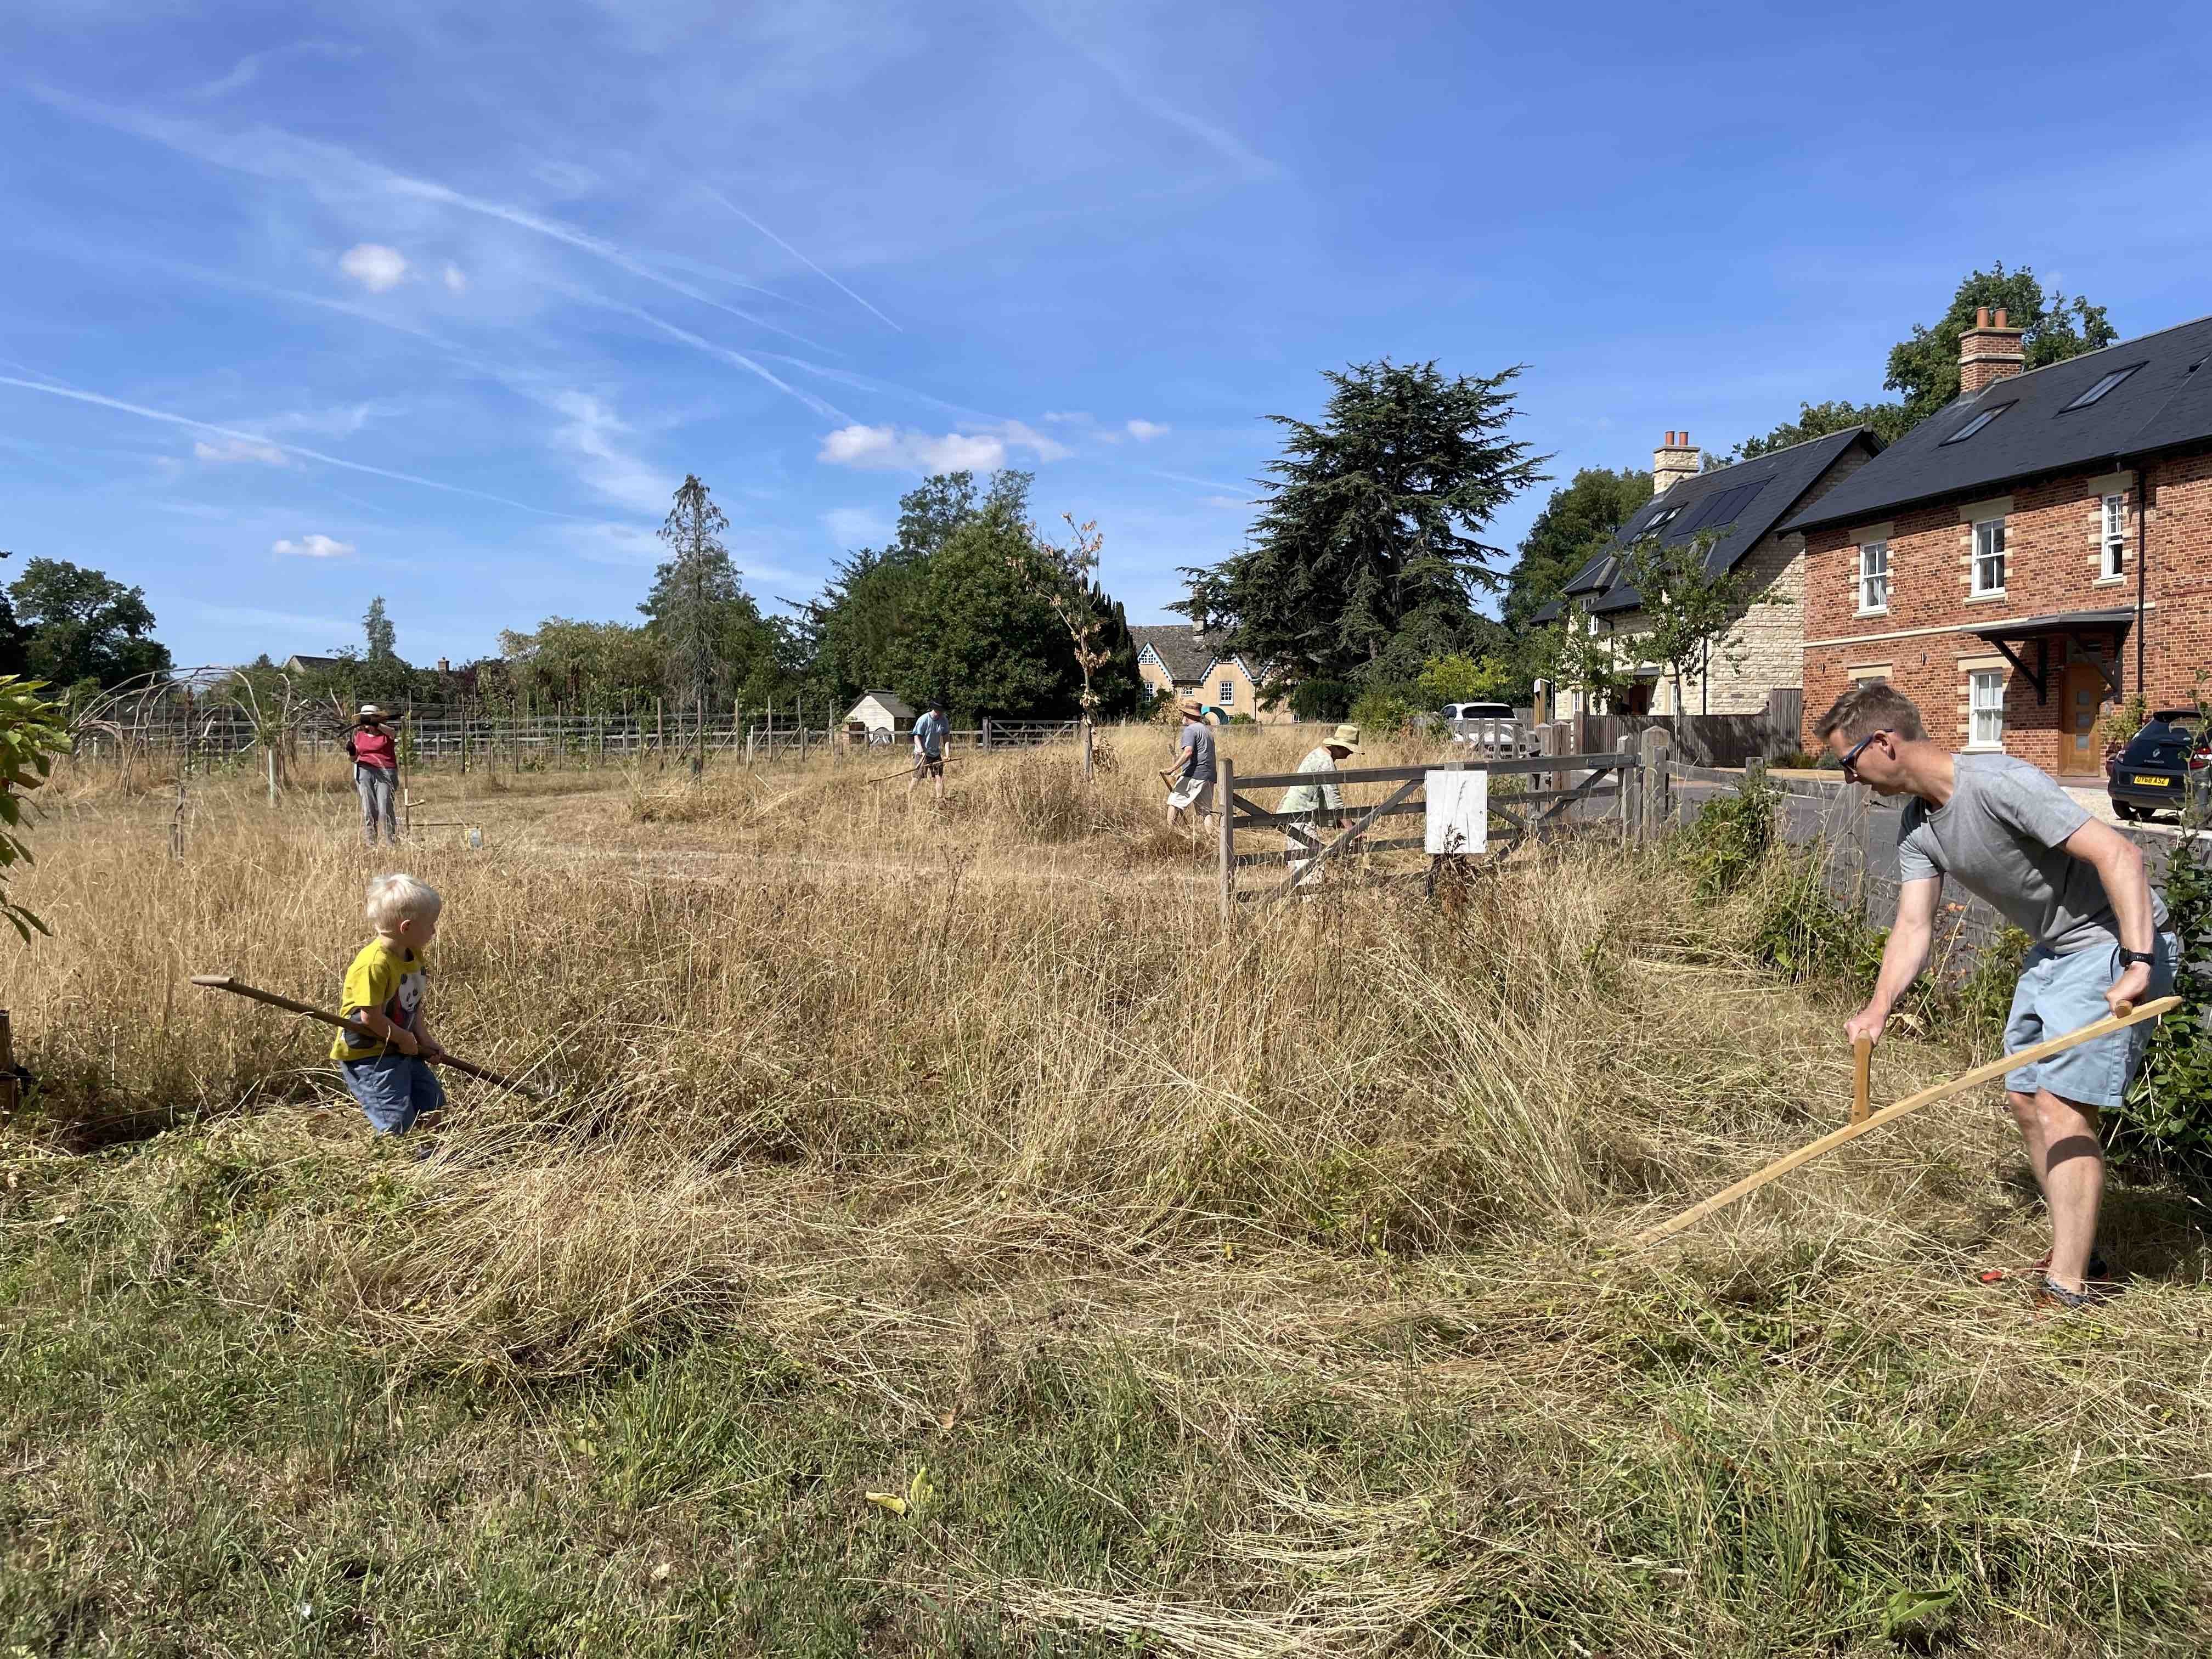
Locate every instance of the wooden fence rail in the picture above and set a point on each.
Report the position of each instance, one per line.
(1559, 788)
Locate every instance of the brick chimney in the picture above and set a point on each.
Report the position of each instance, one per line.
(1988, 352)
(1672, 462)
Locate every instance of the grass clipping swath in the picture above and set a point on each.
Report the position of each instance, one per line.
(1960, 1084)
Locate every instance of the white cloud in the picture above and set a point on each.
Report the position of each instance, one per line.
(885, 448)
(1146, 431)
(374, 265)
(240, 449)
(1060, 416)
(605, 466)
(314, 547)
(1227, 500)
(855, 526)
(457, 280)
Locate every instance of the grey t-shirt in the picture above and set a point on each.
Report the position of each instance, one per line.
(1198, 746)
(929, 734)
(1999, 837)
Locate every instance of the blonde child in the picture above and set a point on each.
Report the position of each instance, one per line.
(389, 1072)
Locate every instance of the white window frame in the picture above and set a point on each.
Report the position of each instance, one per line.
(2113, 561)
(1989, 547)
(1985, 700)
(1228, 694)
(1873, 585)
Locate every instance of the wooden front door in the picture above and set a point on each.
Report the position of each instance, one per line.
(2086, 697)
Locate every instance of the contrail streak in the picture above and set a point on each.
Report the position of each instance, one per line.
(796, 255)
(99, 402)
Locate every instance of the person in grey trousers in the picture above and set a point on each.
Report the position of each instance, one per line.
(375, 754)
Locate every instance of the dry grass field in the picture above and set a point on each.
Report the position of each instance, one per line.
(1220, 1293)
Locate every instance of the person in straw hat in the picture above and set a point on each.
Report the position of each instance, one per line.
(1190, 780)
(375, 754)
(1311, 804)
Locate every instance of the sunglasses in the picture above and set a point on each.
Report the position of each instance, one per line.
(1850, 755)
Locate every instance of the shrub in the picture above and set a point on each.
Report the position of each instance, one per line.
(1730, 836)
(1388, 710)
(2168, 1110)
(1321, 699)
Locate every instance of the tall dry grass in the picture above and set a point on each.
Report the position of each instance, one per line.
(934, 1100)
(780, 1077)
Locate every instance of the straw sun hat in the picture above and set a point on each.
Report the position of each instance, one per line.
(1347, 738)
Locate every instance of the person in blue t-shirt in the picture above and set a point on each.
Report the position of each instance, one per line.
(929, 733)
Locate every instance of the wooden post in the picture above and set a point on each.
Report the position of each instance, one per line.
(268, 754)
(1547, 744)
(987, 734)
(1631, 787)
(1861, 1080)
(1086, 749)
(1657, 817)
(1224, 797)
(7, 1095)
(465, 742)
(802, 729)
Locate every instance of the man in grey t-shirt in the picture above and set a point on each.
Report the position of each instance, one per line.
(1190, 780)
(2010, 835)
(929, 750)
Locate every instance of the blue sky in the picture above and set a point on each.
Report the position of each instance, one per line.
(303, 303)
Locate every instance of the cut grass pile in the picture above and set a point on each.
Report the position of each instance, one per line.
(1232, 1295)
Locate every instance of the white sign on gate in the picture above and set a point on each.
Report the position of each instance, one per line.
(1458, 811)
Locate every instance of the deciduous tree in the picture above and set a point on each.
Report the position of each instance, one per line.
(85, 631)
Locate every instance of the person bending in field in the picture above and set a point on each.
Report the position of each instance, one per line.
(2007, 833)
(929, 733)
(1190, 780)
(388, 1071)
(375, 774)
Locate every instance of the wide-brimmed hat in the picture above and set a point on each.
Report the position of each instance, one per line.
(1347, 738)
(369, 711)
(1192, 709)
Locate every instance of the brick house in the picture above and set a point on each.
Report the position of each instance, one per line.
(1180, 660)
(1743, 506)
(2038, 549)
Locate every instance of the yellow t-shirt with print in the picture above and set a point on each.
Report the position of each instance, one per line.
(389, 979)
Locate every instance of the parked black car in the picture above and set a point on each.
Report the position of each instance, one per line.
(2159, 768)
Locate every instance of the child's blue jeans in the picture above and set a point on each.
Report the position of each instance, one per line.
(393, 1090)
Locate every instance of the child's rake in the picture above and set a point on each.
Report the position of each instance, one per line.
(225, 982)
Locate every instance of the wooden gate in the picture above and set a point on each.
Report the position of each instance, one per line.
(1559, 783)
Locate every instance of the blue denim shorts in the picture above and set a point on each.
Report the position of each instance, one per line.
(393, 1090)
(2057, 994)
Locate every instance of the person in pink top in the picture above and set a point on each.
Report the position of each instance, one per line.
(375, 754)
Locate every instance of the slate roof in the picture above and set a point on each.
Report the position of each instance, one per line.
(1188, 655)
(1742, 502)
(2164, 404)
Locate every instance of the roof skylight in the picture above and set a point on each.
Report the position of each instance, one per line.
(2102, 388)
(1976, 423)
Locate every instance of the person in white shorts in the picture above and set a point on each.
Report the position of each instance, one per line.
(2007, 833)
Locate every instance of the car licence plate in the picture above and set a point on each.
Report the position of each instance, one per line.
(2153, 783)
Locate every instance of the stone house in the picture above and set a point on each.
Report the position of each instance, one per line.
(2034, 552)
(1742, 507)
(1183, 661)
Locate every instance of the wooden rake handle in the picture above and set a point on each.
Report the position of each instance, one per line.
(237, 988)
(1960, 1084)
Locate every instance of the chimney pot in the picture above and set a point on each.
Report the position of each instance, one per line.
(1982, 317)
(2001, 317)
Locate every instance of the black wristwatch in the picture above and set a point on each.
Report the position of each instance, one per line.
(2130, 958)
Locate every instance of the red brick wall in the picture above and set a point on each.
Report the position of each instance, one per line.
(2052, 545)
